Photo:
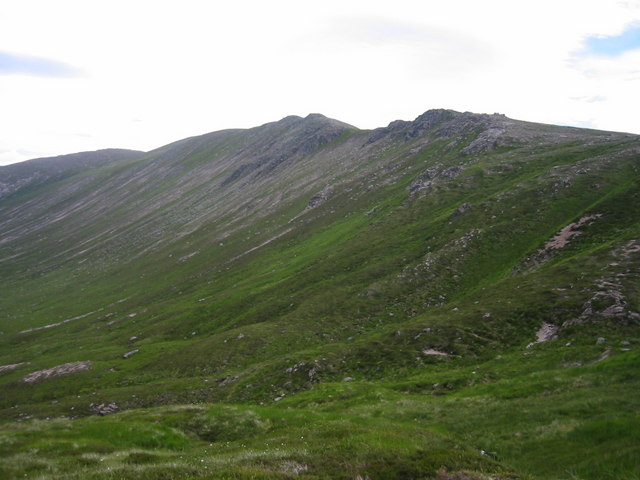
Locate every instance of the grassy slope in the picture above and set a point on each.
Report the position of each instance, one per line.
(359, 288)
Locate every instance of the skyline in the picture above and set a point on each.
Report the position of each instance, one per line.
(76, 76)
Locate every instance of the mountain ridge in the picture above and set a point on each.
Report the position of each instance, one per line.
(368, 280)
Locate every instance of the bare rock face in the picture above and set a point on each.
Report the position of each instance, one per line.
(429, 120)
(487, 141)
(284, 143)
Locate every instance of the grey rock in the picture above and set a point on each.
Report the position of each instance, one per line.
(104, 408)
(131, 353)
(319, 198)
(460, 210)
(228, 379)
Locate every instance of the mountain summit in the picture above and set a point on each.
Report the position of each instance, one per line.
(453, 297)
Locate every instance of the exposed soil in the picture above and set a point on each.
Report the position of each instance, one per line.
(431, 351)
(564, 236)
(63, 369)
(544, 334)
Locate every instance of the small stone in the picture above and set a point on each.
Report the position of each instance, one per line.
(600, 341)
(460, 210)
(347, 379)
(131, 353)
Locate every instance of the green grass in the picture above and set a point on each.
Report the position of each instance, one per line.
(538, 422)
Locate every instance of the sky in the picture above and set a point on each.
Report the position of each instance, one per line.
(78, 75)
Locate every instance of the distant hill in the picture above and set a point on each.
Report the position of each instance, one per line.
(41, 170)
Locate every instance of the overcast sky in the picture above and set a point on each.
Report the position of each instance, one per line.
(90, 74)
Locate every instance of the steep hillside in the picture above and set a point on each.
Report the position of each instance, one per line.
(42, 170)
(451, 298)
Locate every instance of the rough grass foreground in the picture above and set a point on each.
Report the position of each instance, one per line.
(566, 423)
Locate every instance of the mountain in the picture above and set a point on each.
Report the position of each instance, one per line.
(454, 297)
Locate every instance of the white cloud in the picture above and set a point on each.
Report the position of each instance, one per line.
(154, 72)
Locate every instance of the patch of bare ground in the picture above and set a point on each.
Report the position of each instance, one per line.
(432, 351)
(546, 332)
(64, 369)
(558, 242)
(13, 366)
(564, 236)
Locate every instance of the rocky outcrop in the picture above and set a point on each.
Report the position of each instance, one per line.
(460, 210)
(104, 409)
(319, 198)
(546, 332)
(432, 177)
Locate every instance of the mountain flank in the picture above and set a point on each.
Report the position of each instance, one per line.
(42, 170)
(453, 297)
